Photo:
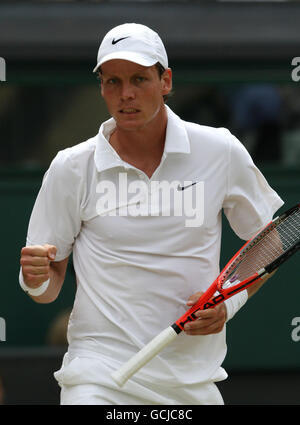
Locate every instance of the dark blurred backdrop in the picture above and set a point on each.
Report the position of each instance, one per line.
(232, 66)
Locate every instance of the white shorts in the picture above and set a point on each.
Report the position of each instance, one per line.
(85, 381)
(93, 394)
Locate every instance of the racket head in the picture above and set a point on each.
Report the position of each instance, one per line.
(265, 252)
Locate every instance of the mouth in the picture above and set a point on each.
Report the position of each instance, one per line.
(129, 111)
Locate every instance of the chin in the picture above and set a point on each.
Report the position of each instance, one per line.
(130, 125)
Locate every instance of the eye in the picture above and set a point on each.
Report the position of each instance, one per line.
(140, 79)
(111, 81)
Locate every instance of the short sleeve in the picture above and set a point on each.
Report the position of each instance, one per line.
(56, 216)
(250, 202)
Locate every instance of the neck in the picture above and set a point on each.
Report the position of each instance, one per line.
(141, 143)
(143, 147)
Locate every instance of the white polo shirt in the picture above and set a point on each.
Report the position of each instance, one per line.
(137, 258)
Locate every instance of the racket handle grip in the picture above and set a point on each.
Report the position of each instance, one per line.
(143, 356)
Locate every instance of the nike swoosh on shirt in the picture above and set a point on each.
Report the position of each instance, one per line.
(185, 187)
(119, 39)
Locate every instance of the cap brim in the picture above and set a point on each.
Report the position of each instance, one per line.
(129, 56)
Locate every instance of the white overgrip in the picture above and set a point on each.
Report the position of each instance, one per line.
(137, 361)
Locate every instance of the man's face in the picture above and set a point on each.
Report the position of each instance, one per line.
(133, 93)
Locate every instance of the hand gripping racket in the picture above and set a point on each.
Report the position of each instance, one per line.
(260, 256)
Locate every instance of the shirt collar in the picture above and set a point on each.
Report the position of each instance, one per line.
(106, 157)
(177, 140)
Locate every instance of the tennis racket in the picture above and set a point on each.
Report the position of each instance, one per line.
(259, 257)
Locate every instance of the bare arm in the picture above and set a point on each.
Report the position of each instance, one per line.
(38, 266)
(254, 288)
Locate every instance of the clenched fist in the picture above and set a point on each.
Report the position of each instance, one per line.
(35, 261)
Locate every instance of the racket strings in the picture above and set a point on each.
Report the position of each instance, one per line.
(265, 249)
(290, 230)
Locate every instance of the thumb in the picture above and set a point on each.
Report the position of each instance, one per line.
(51, 251)
(194, 298)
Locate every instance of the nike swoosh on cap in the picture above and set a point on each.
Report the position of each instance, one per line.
(119, 39)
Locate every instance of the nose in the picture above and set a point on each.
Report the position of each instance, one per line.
(127, 91)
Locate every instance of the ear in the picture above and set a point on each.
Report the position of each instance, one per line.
(166, 81)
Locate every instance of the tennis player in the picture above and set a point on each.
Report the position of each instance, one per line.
(123, 202)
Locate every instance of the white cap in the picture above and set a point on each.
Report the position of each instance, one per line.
(133, 42)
